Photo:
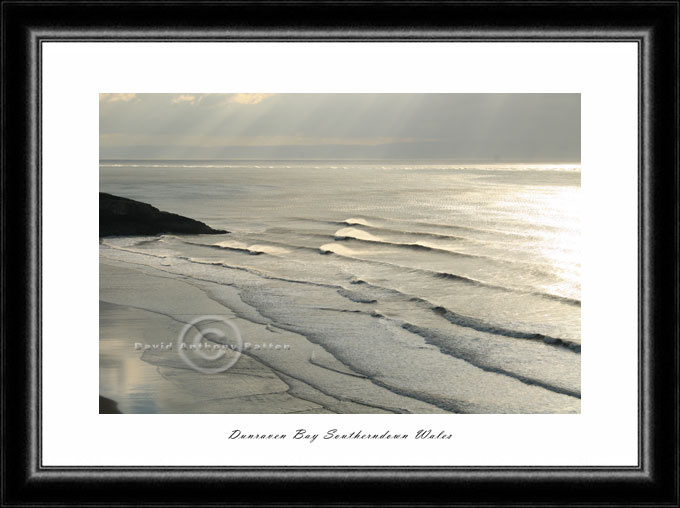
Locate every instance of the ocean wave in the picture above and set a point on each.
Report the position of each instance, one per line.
(482, 326)
(394, 226)
(449, 315)
(273, 248)
(360, 234)
(470, 322)
(416, 246)
(133, 251)
(252, 250)
(423, 234)
(434, 338)
(431, 225)
(343, 251)
(245, 250)
(452, 317)
(257, 273)
(355, 296)
(442, 342)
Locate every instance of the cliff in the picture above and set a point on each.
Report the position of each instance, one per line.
(127, 217)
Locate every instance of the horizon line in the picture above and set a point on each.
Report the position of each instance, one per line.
(466, 161)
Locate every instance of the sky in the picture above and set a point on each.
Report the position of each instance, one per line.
(457, 127)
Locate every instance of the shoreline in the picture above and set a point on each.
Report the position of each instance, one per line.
(151, 303)
(157, 381)
(264, 381)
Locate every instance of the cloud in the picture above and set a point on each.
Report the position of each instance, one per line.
(249, 98)
(220, 99)
(179, 99)
(117, 97)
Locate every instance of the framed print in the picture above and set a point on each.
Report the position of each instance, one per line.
(393, 253)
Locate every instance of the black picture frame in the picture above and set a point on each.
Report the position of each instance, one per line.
(653, 25)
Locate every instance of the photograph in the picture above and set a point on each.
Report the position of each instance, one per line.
(349, 253)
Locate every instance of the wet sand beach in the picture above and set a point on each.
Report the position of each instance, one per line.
(138, 306)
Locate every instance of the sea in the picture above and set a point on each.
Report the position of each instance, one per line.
(456, 285)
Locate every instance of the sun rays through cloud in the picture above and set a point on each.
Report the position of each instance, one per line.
(465, 127)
